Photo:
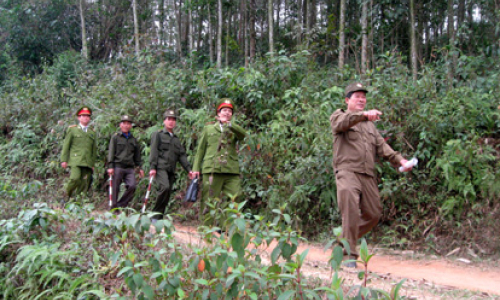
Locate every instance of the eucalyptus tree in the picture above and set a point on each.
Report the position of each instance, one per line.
(270, 13)
(219, 34)
(136, 26)
(413, 41)
(364, 38)
(341, 35)
(85, 50)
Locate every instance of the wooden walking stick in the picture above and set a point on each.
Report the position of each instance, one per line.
(147, 195)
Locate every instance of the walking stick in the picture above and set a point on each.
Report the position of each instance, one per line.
(147, 195)
(110, 191)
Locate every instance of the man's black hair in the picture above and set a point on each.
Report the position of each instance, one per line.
(349, 95)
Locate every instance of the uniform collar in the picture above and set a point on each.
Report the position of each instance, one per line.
(217, 126)
(129, 134)
(168, 132)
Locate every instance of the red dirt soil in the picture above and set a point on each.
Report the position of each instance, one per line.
(440, 272)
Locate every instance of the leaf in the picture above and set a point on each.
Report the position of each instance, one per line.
(286, 295)
(148, 291)
(124, 270)
(302, 256)
(286, 250)
(138, 279)
(237, 244)
(201, 281)
(275, 254)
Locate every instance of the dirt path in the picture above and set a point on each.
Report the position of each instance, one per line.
(439, 275)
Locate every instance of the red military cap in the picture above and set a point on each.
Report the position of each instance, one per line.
(84, 111)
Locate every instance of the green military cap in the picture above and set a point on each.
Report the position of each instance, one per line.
(84, 110)
(355, 87)
(225, 102)
(126, 118)
(169, 113)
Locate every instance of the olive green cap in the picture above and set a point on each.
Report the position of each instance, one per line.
(126, 118)
(169, 113)
(225, 102)
(355, 87)
(84, 110)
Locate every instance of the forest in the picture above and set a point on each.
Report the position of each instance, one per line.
(432, 68)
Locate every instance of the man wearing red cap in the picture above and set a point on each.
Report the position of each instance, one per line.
(79, 153)
(356, 144)
(217, 158)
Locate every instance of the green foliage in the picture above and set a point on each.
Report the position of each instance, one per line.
(285, 103)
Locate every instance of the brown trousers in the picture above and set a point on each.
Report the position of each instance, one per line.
(359, 203)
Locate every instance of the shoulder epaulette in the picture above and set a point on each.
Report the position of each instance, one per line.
(210, 123)
(71, 126)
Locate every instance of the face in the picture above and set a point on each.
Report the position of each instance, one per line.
(125, 126)
(84, 119)
(170, 123)
(225, 114)
(357, 102)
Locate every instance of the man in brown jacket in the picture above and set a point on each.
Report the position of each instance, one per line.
(356, 144)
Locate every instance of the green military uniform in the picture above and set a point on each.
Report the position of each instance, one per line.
(80, 152)
(356, 144)
(166, 151)
(217, 159)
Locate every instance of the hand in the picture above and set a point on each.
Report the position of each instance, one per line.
(152, 173)
(372, 115)
(193, 175)
(111, 171)
(405, 168)
(141, 173)
(64, 165)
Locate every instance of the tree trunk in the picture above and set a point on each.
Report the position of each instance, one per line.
(246, 38)
(307, 15)
(178, 32)
(228, 21)
(270, 20)
(341, 34)
(299, 22)
(451, 38)
(253, 34)
(200, 28)
(190, 28)
(413, 41)
(210, 35)
(364, 36)
(219, 34)
(461, 19)
(85, 50)
(136, 26)
(161, 36)
(241, 23)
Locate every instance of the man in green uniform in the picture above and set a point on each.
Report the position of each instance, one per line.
(166, 151)
(217, 158)
(79, 153)
(356, 144)
(124, 154)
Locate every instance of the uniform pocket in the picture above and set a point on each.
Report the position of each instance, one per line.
(353, 135)
(165, 146)
(120, 146)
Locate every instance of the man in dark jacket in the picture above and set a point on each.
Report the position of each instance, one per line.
(166, 151)
(124, 154)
